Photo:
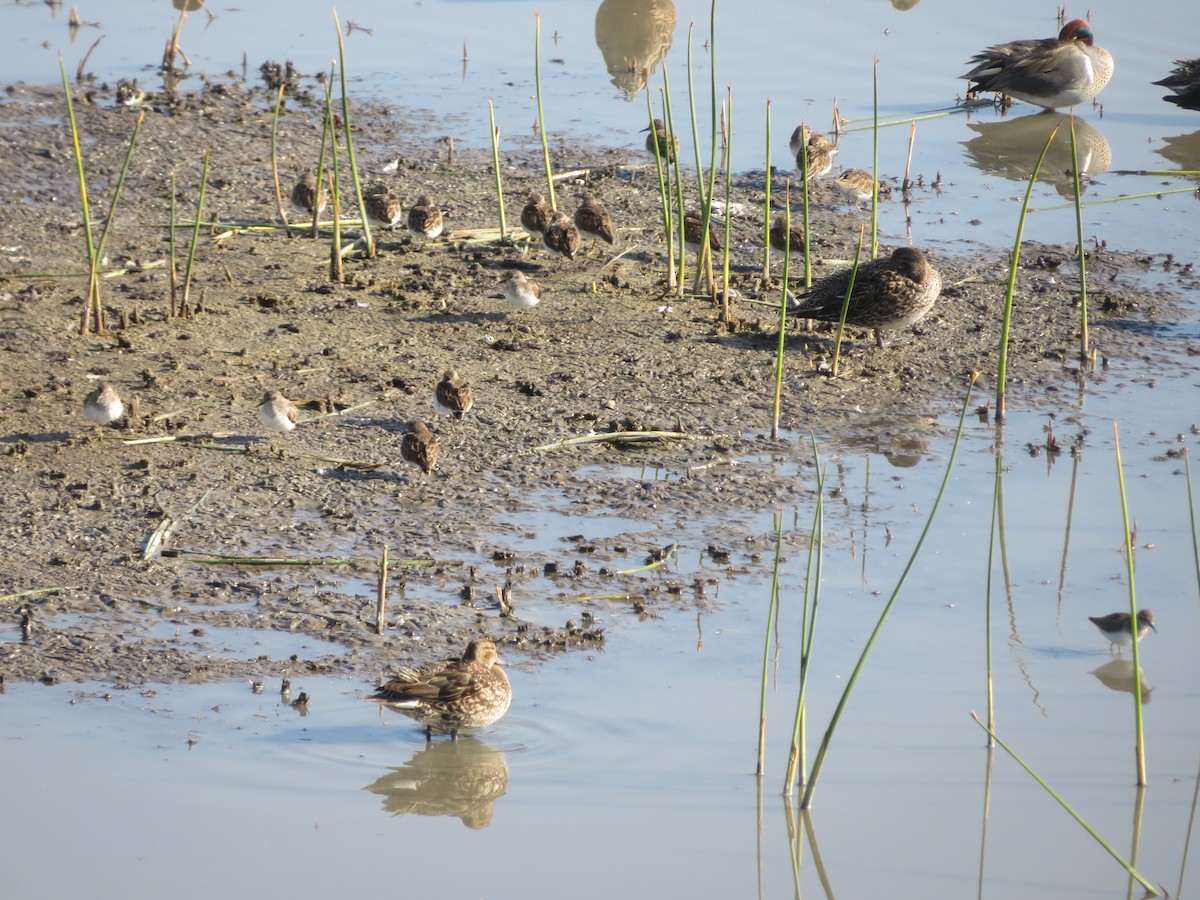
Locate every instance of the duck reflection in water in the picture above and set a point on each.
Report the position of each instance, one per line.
(633, 37)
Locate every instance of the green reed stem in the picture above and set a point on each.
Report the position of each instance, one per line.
(537, 83)
(664, 188)
(728, 200)
(766, 202)
(1014, 262)
(772, 606)
(368, 241)
(803, 158)
(496, 168)
(875, 158)
(328, 144)
(671, 142)
(806, 800)
(1076, 816)
(275, 162)
(1083, 316)
(704, 259)
(1139, 736)
(841, 326)
(874, 126)
(997, 499)
(186, 306)
(1120, 199)
(93, 313)
(808, 623)
(173, 276)
(777, 401)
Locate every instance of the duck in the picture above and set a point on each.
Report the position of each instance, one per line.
(1184, 80)
(1051, 72)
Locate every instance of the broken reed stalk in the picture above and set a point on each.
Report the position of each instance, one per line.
(728, 223)
(664, 193)
(621, 437)
(381, 594)
(368, 241)
(766, 202)
(777, 402)
(495, 132)
(33, 592)
(275, 164)
(1139, 733)
(1084, 353)
(841, 326)
(93, 313)
(537, 84)
(186, 306)
(173, 275)
(1014, 261)
(874, 159)
(797, 762)
(1076, 816)
(811, 784)
(772, 606)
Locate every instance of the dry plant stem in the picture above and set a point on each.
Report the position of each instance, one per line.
(275, 163)
(1014, 262)
(1139, 733)
(186, 305)
(803, 157)
(841, 326)
(381, 594)
(368, 241)
(772, 606)
(495, 132)
(1083, 316)
(766, 201)
(173, 275)
(537, 84)
(33, 592)
(620, 437)
(93, 299)
(1078, 818)
(810, 787)
(336, 273)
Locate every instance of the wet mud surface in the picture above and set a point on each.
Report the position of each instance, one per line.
(607, 350)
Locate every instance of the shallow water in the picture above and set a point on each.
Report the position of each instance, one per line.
(632, 770)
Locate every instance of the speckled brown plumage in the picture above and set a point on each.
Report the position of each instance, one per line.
(425, 219)
(305, 194)
(420, 446)
(452, 397)
(592, 219)
(535, 217)
(780, 242)
(668, 144)
(561, 235)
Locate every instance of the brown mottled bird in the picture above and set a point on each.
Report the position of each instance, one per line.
(383, 208)
(693, 231)
(452, 397)
(888, 293)
(667, 143)
(425, 219)
(592, 219)
(780, 240)
(420, 446)
(535, 217)
(455, 695)
(307, 194)
(103, 406)
(561, 235)
(819, 154)
(277, 412)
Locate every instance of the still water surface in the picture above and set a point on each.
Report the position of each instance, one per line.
(631, 771)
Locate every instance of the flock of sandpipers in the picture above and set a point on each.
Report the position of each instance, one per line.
(472, 691)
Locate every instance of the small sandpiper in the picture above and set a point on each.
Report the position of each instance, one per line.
(420, 446)
(693, 231)
(888, 293)
(779, 237)
(306, 194)
(535, 217)
(819, 153)
(103, 406)
(1115, 627)
(452, 397)
(277, 412)
(799, 138)
(522, 292)
(856, 186)
(667, 143)
(462, 694)
(425, 219)
(383, 208)
(561, 235)
(592, 219)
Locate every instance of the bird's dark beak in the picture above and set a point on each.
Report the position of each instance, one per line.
(1152, 628)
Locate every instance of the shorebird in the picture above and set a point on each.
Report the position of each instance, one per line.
(535, 217)
(667, 143)
(799, 138)
(425, 219)
(307, 194)
(420, 446)
(1115, 627)
(462, 694)
(856, 186)
(383, 208)
(522, 292)
(1184, 80)
(780, 239)
(819, 153)
(277, 412)
(888, 293)
(1052, 72)
(103, 406)
(693, 232)
(592, 219)
(452, 397)
(561, 235)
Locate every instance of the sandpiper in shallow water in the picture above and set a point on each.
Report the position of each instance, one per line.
(425, 219)
(1052, 72)
(1115, 627)
(277, 412)
(452, 396)
(521, 291)
(462, 694)
(419, 446)
(888, 293)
